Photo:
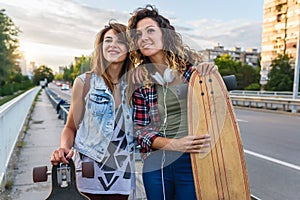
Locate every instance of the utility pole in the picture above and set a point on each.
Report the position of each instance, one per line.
(296, 72)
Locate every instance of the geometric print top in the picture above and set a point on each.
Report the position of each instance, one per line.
(113, 174)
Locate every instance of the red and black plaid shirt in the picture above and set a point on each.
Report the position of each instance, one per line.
(146, 117)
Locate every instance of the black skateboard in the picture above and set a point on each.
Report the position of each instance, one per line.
(64, 179)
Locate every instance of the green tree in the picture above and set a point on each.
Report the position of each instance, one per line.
(41, 73)
(83, 64)
(247, 77)
(227, 65)
(9, 45)
(58, 77)
(67, 74)
(281, 75)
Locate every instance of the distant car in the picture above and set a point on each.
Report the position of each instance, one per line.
(65, 87)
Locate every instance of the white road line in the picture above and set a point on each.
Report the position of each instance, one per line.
(241, 120)
(254, 197)
(272, 160)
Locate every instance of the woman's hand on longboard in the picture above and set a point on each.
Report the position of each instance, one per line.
(206, 68)
(192, 144)
(61, 155)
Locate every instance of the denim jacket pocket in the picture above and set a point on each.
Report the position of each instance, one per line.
(99, 102)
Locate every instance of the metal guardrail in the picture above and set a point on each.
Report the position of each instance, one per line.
(283, 104)
(62, 106)
(274, 94)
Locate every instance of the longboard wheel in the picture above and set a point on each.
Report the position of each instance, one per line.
(88, 169)
(39, 174)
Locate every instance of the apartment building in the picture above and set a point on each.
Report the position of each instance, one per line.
(250, 56)
(281, 25)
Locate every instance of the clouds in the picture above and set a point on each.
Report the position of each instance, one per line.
(54, 32)
(234, 33)
(60, 22)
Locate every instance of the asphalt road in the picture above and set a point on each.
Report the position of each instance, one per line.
(272, 144)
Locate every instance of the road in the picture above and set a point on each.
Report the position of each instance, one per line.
(272, 145)
(272, 148)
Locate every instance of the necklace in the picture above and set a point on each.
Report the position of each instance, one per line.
(114, 84)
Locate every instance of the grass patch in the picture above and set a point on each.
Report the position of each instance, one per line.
(21, 144)
(6, 99)
(9, 184)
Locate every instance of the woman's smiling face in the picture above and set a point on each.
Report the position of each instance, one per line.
(114, 49)
(149, 37)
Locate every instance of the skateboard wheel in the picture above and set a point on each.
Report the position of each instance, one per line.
(88, 169)
(40, 174)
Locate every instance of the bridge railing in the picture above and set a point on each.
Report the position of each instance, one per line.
(273, 103)
(274, 94)
(62, 106)
(13, 115)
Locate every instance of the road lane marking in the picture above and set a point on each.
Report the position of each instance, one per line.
(272, 160)
(241, 120)
(254, 197)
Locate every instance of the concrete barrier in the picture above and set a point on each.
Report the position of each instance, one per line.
(13, 115)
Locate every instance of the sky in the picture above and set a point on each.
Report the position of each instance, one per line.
(55, 31)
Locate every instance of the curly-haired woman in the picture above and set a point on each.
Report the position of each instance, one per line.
(160, 105)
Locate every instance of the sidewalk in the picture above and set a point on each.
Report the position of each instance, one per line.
(41, 139)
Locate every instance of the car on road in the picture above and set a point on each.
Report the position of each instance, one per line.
(65, 87)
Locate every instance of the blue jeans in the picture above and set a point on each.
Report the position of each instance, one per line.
(177, 176)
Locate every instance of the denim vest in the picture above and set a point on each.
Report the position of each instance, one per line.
(95, 130)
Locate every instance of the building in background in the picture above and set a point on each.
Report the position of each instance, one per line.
(61, 69)
(30, 68)
(250, 56)
(280, 32)
(23, 66)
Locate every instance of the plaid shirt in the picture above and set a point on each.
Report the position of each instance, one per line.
(146, 117)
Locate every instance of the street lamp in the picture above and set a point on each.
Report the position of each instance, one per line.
(296, 72)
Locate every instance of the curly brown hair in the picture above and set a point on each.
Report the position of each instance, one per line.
(178, 56)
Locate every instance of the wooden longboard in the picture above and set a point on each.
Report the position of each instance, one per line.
(220, 172)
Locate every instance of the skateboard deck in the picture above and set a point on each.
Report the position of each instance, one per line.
(63, 181)
(219, 172)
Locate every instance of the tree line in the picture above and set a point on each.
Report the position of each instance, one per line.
(11, 78)
(280, 77)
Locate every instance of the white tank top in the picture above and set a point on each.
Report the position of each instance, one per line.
(114, 174)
